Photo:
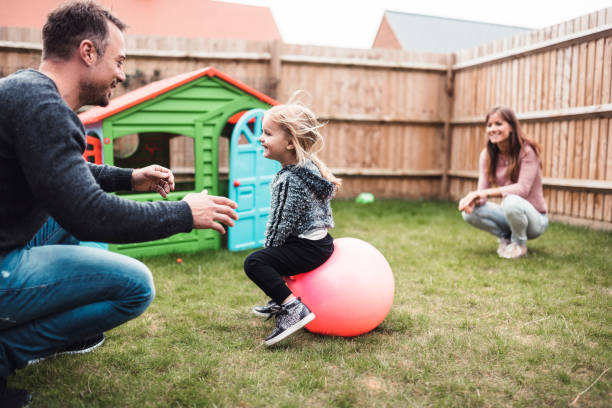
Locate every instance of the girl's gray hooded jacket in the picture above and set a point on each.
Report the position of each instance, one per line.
(299, 203)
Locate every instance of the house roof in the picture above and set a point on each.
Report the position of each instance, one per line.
(179, 18)
(157, 88)
(417, 32)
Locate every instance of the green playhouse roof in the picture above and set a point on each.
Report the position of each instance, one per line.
(157, 88)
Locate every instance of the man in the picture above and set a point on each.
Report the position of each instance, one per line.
(56, 296)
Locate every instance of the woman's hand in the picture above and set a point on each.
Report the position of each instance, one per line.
(468, 203)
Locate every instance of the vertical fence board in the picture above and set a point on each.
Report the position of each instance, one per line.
(569, 168)
(607, 212)
(601, 167)
(606, 86)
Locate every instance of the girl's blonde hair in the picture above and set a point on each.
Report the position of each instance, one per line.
(302, 127)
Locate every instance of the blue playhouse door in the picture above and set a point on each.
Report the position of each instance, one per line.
(250, 175)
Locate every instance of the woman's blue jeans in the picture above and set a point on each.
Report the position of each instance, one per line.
(515, 219)
(54, 292)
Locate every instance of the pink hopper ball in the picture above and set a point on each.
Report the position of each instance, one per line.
(351, 293)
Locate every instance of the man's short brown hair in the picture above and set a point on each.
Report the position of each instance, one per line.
(74, 22)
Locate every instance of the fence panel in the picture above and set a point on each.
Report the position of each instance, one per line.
(558, 81)
(391, 120)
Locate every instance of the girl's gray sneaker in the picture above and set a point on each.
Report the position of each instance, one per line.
(289, 319)
(267, 310)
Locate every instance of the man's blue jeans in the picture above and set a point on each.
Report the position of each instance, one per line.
(515, 219)
(54, 292)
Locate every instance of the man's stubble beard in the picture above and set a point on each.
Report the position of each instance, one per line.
(94, 94)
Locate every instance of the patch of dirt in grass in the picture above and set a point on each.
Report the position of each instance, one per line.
(374, 383)
(320, 399)
(585, 374)
(532, 340)
(154, 323)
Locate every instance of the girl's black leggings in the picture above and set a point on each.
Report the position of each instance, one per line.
(298, 255)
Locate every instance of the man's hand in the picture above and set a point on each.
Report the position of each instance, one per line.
(153, 178)
(209, 211)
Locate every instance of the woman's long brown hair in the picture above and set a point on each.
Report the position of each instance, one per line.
(517, 140)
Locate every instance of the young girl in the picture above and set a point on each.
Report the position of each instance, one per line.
(510, 167)
(300, 215)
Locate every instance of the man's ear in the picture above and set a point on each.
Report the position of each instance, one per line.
(87, 52)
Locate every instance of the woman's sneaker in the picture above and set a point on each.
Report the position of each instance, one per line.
(289, 319)
(79, 347)
(514, 251)
(503, 244)
(266, 310)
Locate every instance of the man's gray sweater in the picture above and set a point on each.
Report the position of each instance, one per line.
(43, 173)
(300, 203)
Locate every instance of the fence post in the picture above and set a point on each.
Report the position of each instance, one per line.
(447, 139)
(275, 67)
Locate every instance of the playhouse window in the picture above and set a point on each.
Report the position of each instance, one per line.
(172, 151)
(126, 146)
(182, 162)
(224, 153)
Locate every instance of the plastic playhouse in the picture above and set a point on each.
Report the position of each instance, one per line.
(203, 105)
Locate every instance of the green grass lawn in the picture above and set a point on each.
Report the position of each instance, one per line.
(467, 329)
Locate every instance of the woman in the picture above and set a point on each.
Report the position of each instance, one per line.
(510, 167)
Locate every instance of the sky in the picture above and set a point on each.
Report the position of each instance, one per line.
(354, 23)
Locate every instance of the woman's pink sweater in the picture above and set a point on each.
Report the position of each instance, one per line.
(529, 184)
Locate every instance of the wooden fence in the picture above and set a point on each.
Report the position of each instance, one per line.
(410, 125)
(559, 81)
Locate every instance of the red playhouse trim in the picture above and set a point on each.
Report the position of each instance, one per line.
(234, 118)
(95, 152)
(157, 88)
